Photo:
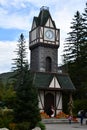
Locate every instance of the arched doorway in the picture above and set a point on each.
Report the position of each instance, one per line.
(49, 101)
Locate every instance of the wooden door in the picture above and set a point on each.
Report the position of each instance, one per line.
(49, 101)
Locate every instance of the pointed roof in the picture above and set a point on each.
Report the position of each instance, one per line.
(44, 80)
(44, 15)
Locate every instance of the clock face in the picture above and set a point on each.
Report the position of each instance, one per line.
(49, 34)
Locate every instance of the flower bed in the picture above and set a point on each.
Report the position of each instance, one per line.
(44, 115)
(60, 115)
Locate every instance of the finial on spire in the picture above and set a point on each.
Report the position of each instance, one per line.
(44, 8)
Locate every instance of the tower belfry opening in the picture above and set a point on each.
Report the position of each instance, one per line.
(48, 64)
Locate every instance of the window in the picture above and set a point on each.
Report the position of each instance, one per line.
(48, 64)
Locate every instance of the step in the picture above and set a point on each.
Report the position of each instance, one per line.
(54, 120)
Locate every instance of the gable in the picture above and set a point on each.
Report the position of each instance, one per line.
(35, 22)
(49, 23)
(54, 83)
(34, 25)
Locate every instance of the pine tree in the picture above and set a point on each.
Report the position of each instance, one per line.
(26, 105)
(74, 41)
(73, 55)
(84, 53)
(85, 37)
(26, 108)
(76, 53)
(20, 61)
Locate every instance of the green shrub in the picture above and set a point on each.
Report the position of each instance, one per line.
(6, 117)
(41, 125)
(79, 105)
(22, 126)
(4, 122)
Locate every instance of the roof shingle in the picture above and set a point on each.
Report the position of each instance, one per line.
(43, 80)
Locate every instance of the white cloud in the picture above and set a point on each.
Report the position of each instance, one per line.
(3, 2)
(7, 54)
(13, 3)
(14, 21)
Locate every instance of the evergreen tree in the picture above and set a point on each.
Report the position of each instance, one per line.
(26, 108)
(75, 56)
(26, 105)
(74, 41)
(20, 61)
(85, 37)
(84, 53)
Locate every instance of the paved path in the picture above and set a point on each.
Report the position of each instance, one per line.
(66, 127)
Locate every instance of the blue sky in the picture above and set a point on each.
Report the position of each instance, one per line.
(16, 17)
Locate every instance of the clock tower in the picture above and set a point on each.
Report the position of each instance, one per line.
(44, 42)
